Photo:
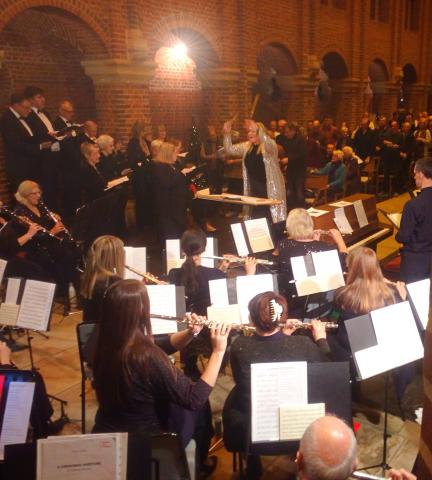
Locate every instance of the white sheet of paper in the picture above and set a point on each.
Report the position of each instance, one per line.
(360, 213)
(210, 251)
(224, 314)
(239, 239)
(298, 267)
(341, 221)
(9, 314)
(3, 264)
(83, 457)
(314, 212)
(163, 302)
(295, 419)
(247, 287)
(398, 340)
(117, 181)
(219, 292)
(36, 304)
(17, 414)
(419, 294)
(395, 218)
(274, 384)
(259, 235)
(172, 249)
(341, 204)
(135, 258)
(12, 290)
(328, 274)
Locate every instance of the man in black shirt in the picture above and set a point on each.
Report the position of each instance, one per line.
(416, 227)
(364, 140)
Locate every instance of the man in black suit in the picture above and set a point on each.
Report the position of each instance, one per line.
(40, 122)
(22, 147)
(70, 162)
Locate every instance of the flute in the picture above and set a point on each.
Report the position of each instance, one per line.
(259, 261)
(146, 275)
(365, 476)
(330, 326)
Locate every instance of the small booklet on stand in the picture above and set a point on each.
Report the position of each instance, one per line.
(252, 236)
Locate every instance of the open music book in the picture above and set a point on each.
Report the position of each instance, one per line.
(384, 339)
(317, 272)
(174, 257)
(30, 309)
(98, 456)
(135, 257)
(116, 182)
(252, 236)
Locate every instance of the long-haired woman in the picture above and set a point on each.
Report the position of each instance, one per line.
(104, 265)
(136, 384)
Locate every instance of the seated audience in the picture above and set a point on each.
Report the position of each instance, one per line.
(336, 171)
(352, 172)
(268, 344)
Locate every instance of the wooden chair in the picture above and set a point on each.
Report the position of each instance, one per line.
(369, 174)
(318, 185)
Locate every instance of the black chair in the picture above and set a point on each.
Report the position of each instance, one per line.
(169, 458)
(85, 333)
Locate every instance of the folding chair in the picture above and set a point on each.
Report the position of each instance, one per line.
(84, 333)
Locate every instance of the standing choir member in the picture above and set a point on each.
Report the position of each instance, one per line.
(262, 176)
(415, 231)
(93, 183)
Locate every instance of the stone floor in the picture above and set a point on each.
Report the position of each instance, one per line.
(58, 361)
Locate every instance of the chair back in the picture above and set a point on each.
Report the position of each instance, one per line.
(86, 336)
(169, 458)
(316, 182)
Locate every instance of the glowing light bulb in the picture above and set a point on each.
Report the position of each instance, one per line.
(180, 51)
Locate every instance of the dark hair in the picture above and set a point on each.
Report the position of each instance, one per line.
(125, 344)
(17, 97)
(259, 311)
(424, 165)
(31, 92)
(292, 126)
(193, 242)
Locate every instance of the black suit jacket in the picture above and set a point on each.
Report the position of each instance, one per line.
(21, 149)
(38, 126)
(69, 152)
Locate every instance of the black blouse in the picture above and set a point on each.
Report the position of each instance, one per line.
(254, 164)
(92, 306)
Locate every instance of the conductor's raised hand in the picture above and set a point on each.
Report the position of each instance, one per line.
(195, 323)
(226, 129)
(219, 337)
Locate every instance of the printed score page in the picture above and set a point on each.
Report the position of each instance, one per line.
(173, 257)
(239, 239)
(83, 457)
(135, 258)
(219, 292)
(17, 414)
(3, 264)
(36, 304)
(259, 235)
(273, 385)
(295, 419)
(342, 222)
(224, 314)
(398, 340)
(360, 213)
(12, 290)
(163, 302)
(9, 314)
(247, 287)
(419, 294)
(315, 212)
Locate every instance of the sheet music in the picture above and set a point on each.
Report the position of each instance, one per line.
(398, 340)
(259, 235)
(3, 264)
(340, 204)
(295, 419)
(342, 222)
(17, 414)
(9, 314)
(274, 384)
(36, 305)
(83, 457)
(247, 287)
(419, 294)
(163, 301)
(12, 290)
(360, 213)
(210, 250)
(239, 239)
(224, 314)
(298, 267)
(173, 256)
(315, 212)
(135, 258)
(219, 292)
(117, 181)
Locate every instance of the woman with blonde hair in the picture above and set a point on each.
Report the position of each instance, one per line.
(262, 176)
(302, 239)
(105, 265)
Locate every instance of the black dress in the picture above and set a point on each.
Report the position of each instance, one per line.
(255, 168)
(257, 349)
(92, 182)
(92, 306)
(170, 188)
(109, 166)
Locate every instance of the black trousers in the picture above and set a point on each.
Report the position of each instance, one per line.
(415, 266)
(295, 180)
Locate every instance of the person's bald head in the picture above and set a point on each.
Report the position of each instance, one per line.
(328, 450)
(66, 110)
(91, 128)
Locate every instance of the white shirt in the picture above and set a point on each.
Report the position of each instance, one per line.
(22, 120)
(44, 119)
(68, 124)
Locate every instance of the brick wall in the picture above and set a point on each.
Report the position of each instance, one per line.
(49, 43)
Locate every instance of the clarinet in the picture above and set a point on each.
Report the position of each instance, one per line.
(66, 232)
